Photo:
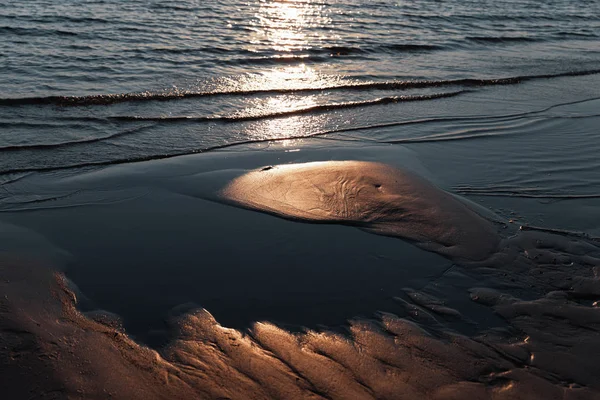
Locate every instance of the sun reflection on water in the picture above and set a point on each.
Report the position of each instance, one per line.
(287, 31)
(283, 78)
(289, 25)
(290, 128)
(274, 105)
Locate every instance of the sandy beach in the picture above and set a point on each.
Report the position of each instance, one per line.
(278, 269)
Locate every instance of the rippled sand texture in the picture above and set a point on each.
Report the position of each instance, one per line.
(372, 196)
(50, 350)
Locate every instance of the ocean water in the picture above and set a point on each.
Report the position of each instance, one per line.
(88, 83)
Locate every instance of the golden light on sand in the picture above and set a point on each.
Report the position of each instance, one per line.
(374, 197)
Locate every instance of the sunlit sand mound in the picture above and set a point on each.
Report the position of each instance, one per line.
(50, 350)
(372, 196)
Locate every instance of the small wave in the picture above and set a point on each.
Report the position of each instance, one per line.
(351, 50)
(44, 19)
(563, 34)
(109, 99)
(276, 60)
(534, 193)
(152, 157)
(20, 31)
(314, 55)
(171, 7)
(45, 146)
(12, 178)
(312, 51)
(529, 39)
(36, 199)
(502, 39)
(410, 47)
(503, 119)
(298, 111)
(266, 140)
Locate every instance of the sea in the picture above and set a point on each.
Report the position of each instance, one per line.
(89, 83)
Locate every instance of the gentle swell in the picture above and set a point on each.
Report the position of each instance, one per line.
(246, 142)
(34, 31)
(316, 51)
(107, 99)
(299, 111)
(532, 193)
(501, 39)
(44, 146)
(526, 39)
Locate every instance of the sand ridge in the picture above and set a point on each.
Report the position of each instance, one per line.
(50, 350)
(372, 196)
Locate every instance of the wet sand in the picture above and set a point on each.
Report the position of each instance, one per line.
(50, 350)
(98, 265)
(372, 196)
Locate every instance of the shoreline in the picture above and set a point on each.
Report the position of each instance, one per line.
(151, 242)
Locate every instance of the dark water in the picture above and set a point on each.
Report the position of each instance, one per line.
(101, 82)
